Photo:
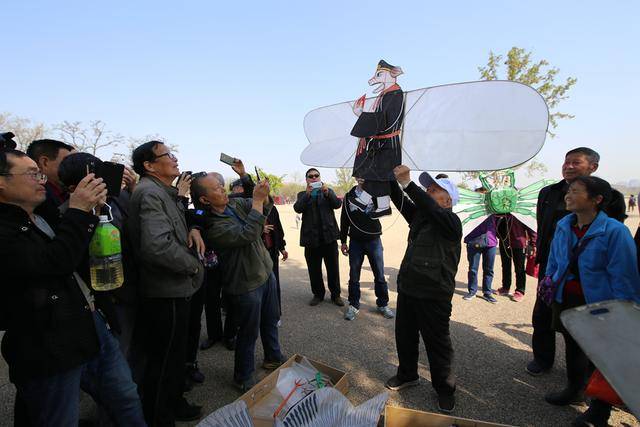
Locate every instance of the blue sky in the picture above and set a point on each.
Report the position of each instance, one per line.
(239, 76)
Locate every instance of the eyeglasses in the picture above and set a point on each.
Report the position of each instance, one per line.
(317, 175)
(36, 176)
(169, 154)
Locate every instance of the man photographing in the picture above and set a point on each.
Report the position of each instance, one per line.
(234, 228)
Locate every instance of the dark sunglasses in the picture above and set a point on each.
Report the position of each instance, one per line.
(169, 155)
(317, 175)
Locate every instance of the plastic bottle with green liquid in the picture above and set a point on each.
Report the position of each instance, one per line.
(105, 257)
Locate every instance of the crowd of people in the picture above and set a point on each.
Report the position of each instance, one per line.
(190, 243)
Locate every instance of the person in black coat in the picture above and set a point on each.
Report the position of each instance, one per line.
(55, 341)
(426, 282)
(273, 238)
(318, 235)
(551, 208)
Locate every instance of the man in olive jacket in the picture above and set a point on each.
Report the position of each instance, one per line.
(426, 282)
(169, 274)
(234, 228)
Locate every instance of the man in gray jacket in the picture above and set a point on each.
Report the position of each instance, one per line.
(169, 274)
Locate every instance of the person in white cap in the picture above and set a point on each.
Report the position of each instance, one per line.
(426, 282)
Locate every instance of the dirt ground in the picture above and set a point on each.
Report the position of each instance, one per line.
(491, 342)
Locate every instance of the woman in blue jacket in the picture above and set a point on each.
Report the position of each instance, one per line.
(593, 258)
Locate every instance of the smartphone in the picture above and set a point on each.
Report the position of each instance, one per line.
(182, 176)
(224, 158)
(257, 174)
(316, 184)
(111, 173)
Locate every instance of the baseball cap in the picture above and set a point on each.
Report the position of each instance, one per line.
(444, 183)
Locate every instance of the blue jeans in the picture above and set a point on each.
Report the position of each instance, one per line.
(54, 401)
(373, 250)
(256, 312)
(488, 258)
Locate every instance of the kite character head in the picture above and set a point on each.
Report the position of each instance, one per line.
(385, 76)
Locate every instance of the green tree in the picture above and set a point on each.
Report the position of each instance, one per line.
(344, 181)
(275, 181)
(540, 76)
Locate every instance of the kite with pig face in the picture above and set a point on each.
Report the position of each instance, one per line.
(379, 132)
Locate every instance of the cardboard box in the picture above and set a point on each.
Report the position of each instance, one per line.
(402, 417)
(262, 389)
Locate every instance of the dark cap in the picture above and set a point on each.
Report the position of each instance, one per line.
(6, 141)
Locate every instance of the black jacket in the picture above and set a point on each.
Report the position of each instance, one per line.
(277, 235)
(49, 325)
(428, 269)
(319, 225)
(357, 224)
(551, 208)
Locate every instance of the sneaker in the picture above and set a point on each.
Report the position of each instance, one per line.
(207, 344)
(446, 403)
(395, 384)
(184, 411)
(315, 301)
(535, 369)
(469, 296)
(386, 312)
(246, 385)
(194, 374)
(564, 397)
(517, 296)
(351, 313)
(272, 365)
(338, 301)
(503, 292)
(490, 298)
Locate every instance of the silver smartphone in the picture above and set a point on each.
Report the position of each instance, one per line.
(227, 159)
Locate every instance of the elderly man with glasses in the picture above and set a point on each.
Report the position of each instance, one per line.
(170, 272)
(56, 342)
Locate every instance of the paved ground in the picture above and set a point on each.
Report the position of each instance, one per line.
(492, 345)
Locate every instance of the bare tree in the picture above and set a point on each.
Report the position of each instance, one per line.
(89, 138)
(133, 142)
(24, 129)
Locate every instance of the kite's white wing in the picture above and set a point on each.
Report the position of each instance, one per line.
(486, 125)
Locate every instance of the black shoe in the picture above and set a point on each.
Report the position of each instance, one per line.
(564, 397)
(184, 411)
(315, 301)
(535, 369)
(446, 403)
(338, 301)
(596, 416)
(394, 383)
(230, 344)
(207, 344)
(194, 373)
(246, 385)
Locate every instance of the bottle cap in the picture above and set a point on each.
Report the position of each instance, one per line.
(104, 218)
